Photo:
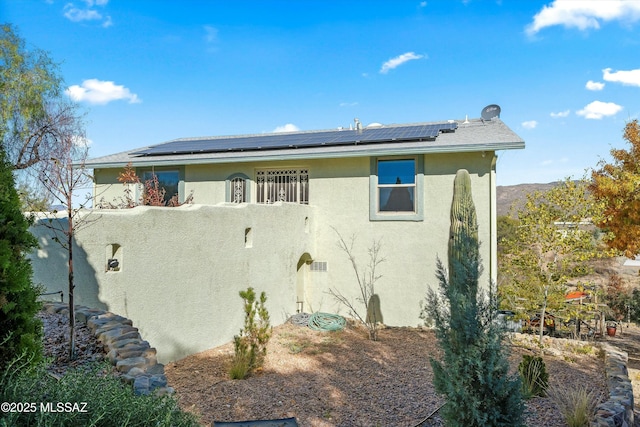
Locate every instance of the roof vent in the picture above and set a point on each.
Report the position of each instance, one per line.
(358, 125)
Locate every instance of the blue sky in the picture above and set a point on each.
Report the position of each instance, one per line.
(566, 73)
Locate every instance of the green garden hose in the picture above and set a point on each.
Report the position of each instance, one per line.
(326, 322)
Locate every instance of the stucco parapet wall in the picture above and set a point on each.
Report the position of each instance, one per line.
(134, 359)
(618, 410)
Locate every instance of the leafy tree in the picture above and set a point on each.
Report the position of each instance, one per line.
(32, 102)
(617, 297)
(552, 243)
(615, 184)
(634, 305)
(20, 331)
(474, 372)
(507, 228)
(33, 198)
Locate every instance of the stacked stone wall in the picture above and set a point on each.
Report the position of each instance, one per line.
(618, 410)
(134, 358)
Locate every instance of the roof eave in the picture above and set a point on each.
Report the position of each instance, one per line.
(276, 156)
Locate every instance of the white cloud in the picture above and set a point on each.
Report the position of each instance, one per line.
(598, 109)
(88, 13)
(559, 114)
(95, 91)
(289, 127)
(348, 104)
(211, 34)
(399, 60)
(74, 14)
(583, 14)
(591, 85)
(530, 124)
(627, 78)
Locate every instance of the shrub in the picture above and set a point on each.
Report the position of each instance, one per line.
(250, 347)
(577, 406)
(533, 373)
(97, 397)
(366, 277)
(20, 331)
(474, 372)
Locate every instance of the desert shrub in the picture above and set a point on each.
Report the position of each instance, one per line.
(250, 347)
(577, 406)
(473, 374)
(534, 376)
(97, 398)
(366, 276)
(20, 330)
(240, 365)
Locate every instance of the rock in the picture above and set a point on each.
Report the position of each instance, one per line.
(134, 358)
(157, 369)
(125, 365)
(141, 386)
(157, 381)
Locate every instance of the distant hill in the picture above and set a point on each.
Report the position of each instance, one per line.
(507, 195)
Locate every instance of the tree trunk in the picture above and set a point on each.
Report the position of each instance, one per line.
(544, 309)
(72, 312)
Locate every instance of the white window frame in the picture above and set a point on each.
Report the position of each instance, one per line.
(375, 214)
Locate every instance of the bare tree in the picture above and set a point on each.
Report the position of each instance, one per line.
(62, 175)
(366, 277)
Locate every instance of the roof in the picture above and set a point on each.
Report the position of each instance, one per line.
(416, 138)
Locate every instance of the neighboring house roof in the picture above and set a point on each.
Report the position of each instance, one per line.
(431, 137)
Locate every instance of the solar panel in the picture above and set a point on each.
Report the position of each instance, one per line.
(301, 139)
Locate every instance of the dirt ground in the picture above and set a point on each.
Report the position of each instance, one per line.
(343, 379)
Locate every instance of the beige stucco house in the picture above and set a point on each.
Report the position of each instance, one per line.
(266, 213)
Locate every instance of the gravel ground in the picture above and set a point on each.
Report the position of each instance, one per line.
(56, 343)
(343, 379)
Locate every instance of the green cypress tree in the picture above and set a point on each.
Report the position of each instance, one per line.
(20, 331)
(474, 372)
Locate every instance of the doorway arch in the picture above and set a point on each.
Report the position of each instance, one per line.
(302, 281)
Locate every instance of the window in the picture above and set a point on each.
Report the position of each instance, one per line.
(237, 188)
(238, 193)
(167, 179)
(395, 186)
(282, 185)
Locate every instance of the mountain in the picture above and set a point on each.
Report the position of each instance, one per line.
(507, 195)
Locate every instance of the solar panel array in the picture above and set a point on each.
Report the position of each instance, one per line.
(301, 139)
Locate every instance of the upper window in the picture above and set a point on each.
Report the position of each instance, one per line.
(395, 186)
(237, 188)
(282, 185)
(167, 179)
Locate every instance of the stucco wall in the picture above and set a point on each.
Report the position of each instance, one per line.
(339, 192)
(191, 262)
(181, 268)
